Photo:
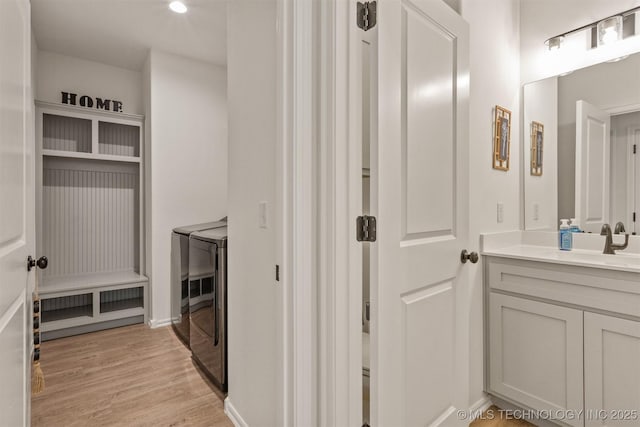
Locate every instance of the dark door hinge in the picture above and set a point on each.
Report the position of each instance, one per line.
(366, 228)
(366, 18)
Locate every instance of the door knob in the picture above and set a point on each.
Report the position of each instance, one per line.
(466, 256)
(41, 263)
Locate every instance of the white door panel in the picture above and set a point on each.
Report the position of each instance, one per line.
(16, 209)
(593, 152)
(419, 328)
(429, 116)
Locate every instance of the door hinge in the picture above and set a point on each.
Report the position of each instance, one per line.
(366, 18)
(366, 228)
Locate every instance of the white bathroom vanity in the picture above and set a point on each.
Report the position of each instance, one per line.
(562, 329)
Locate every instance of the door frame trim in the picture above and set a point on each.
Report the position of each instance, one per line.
(339, 356)
(296, 200)
(321, 374)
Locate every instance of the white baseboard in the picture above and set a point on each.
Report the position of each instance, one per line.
(233, 414)
(480, 406)
(153, 323)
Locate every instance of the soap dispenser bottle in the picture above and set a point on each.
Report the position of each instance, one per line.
(566, 236)
(575, 226)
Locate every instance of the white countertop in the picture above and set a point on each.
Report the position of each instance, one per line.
(538, 246)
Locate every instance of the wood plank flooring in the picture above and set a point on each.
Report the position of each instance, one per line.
(493, 417)
(137, 376)
(130, 376)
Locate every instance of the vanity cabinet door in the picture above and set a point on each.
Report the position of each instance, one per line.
(612, 371)
(536, 354)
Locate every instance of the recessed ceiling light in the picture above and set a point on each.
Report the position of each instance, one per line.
(177, 7)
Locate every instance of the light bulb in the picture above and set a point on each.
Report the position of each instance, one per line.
(609, 30)
(178, 7)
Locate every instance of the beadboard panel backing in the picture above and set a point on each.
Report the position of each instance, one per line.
(90, 217)
(66, 133)
(50, 304)
(119, 139)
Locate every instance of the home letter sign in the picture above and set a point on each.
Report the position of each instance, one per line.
(88, 102)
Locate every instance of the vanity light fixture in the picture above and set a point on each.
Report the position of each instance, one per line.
(603, 32)
(178, 7)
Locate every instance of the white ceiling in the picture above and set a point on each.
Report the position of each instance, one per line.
(121, 32)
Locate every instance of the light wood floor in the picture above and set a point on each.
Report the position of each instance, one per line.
(131, 376)
(494, 418)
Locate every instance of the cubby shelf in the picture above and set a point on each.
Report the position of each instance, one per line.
(67, 313)
(90, 156)
(108, 307)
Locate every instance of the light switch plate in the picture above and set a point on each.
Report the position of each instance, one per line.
(536, 212)
(262, 215)
(500, 212)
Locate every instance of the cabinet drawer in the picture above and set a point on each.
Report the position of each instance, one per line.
(613, 291)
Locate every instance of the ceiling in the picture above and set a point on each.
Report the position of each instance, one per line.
(121, 32)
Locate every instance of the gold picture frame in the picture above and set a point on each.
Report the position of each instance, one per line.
(502, 139)
(537, 148)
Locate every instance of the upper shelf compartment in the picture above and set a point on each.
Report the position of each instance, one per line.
(66, 133)
(118, 139)
(74, 133)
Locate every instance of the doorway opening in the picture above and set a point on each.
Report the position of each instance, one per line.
(625, 169)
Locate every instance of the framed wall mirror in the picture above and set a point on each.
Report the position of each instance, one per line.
(591, 133)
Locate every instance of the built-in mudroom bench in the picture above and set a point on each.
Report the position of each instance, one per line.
(89, 192)
(562, 329)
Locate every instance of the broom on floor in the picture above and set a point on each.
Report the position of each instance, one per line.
(37, 376)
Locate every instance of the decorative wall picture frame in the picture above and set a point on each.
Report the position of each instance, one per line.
(502, 139)
(537, 148)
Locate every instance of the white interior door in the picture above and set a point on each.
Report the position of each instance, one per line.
(593, 160)
(419, 326)
(16, 210)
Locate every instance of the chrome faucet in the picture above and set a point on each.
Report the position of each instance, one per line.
(609, 247)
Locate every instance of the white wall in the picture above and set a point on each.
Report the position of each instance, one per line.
(495, 79)
(187, 181)
(604, 85)
(541, 105)
(254, 298)
(57, 73)
(543, 19)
